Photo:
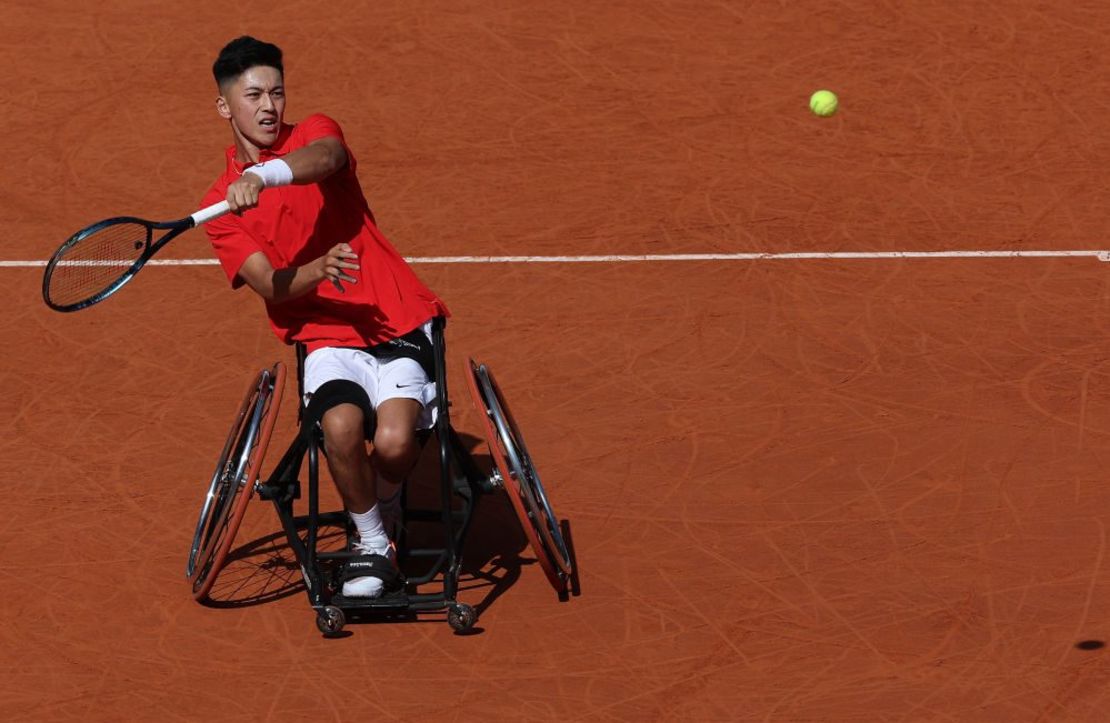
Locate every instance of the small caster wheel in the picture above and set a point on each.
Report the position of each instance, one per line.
(330, 620)
(461, 617)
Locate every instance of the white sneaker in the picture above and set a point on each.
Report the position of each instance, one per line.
(369, 586)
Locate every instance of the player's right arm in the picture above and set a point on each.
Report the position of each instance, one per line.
(310, 164)
(278, 285)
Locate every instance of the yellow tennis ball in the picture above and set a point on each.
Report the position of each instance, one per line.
(823, 103)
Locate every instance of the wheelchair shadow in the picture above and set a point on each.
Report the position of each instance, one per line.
(265, 570)
(492, 562)
(491, 555)
(491, 558)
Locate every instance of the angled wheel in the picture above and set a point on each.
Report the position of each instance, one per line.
(233, 480)
(520, 479)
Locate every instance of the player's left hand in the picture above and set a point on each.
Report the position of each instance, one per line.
(244, 192)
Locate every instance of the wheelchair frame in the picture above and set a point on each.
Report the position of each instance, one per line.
(462, 484)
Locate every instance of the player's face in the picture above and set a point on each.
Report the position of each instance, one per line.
(255, 104)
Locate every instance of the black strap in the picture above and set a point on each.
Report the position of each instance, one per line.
(378, 566)
(336, 392)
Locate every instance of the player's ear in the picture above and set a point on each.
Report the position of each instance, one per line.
(222, 108)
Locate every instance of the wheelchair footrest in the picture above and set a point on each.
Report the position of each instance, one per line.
(396, 600)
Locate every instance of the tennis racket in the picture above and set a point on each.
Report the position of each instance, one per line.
(97, 261)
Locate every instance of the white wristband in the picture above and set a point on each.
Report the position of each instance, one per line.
(274, 172)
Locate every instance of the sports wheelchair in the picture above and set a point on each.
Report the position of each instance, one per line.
(462, 483)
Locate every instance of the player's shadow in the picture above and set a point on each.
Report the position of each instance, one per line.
(265, 570)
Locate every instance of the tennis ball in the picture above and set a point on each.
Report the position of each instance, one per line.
(823, 103)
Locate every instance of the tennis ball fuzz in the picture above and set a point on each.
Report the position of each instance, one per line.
(823, 103)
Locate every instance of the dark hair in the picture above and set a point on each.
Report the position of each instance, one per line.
(242, 54)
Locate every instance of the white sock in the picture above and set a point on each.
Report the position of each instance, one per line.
(371, 532)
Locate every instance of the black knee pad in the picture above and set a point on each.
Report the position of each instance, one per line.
(334, 393)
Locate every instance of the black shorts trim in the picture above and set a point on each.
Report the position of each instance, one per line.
(414, 345)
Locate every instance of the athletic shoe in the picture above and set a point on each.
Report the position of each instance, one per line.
(383, 562)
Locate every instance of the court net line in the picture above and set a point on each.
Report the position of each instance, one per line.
(632, 258)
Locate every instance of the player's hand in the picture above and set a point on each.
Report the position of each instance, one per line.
(243, 193)
(336, 261)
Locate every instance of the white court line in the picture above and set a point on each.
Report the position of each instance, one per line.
(1100, 255)
(624, 258)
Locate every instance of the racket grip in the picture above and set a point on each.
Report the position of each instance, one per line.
(212, 212)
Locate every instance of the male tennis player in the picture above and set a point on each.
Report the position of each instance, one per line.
(309, 247)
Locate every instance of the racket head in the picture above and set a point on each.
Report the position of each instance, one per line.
(95, 262)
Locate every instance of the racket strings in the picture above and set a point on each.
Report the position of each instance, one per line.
(96, 262)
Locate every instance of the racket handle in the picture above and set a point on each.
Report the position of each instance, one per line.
(212, 212)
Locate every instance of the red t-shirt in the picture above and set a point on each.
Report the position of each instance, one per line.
(293, 225)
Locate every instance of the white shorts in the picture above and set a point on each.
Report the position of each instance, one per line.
(382, 380)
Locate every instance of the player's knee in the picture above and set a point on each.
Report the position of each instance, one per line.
(394, 442)
(343, 429)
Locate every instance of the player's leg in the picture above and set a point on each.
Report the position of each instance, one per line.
(345, 441)
(395, 446)
(405, 403)
(344, 428)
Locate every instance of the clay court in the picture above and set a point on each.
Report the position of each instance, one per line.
(808, 488)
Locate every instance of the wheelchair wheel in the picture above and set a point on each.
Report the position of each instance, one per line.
(520, 479)
(233, 480)
(330, 621)
(461, 617)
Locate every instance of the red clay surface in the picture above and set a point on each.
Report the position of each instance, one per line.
(801, 490)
